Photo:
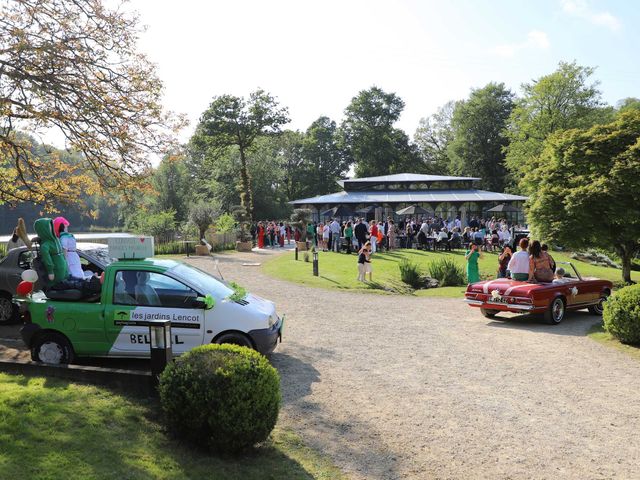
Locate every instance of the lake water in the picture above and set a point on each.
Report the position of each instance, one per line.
(83, 237)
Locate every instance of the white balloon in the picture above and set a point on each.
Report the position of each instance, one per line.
(29, 276)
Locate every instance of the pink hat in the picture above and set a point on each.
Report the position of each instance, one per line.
(57, 222)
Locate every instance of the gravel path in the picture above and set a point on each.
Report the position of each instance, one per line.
(400, 387)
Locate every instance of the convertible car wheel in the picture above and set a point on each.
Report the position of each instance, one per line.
(488, 313)
(598, 308)
(555, 312)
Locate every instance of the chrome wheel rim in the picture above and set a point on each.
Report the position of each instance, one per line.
(6, 309)
(599, 307)
(558, 310)
(51, 352)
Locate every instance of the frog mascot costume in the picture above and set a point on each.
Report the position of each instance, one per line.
(51, 252)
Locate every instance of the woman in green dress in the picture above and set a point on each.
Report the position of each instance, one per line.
(472, 256)
(348, 234)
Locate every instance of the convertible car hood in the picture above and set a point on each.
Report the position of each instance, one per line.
(507, 287)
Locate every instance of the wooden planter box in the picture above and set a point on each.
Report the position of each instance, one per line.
(244, 246)
(301, 246)
(202, 250)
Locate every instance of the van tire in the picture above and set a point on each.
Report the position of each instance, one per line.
(234, 338)
(52, 348)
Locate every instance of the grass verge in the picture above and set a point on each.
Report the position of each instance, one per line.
(339, 271)
(51, 429)
(600, 335)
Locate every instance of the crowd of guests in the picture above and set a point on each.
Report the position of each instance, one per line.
(270, 234)
(531, 263)
(426, 232)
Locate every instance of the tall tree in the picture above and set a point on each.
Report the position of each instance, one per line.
(478, 135)
(433, 136)
(324, 161)
(588, 192)
(629, 103)
(369, 138)
(232, 121)
(73, 66)
(172, 184)
(564, 99)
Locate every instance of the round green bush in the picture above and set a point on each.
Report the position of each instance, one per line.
(621, 315)
(226, 397)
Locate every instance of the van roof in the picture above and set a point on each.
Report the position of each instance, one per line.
(163, 263)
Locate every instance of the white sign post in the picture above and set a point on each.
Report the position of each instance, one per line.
(130, 248)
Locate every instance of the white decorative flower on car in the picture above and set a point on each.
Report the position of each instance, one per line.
(574, 291)
(495, 294)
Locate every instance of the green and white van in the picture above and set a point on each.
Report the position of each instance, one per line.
(201, 309)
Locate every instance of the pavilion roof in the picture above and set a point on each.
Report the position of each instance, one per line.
(404, 177)
(414, 196)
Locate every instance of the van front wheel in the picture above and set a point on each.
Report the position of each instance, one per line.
(235, 338)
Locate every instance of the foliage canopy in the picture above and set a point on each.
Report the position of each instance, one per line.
(588, 188)
(72, 66)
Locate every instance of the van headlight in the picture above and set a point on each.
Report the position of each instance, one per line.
(273, 319)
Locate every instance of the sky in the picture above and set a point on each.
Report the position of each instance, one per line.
(315, 56)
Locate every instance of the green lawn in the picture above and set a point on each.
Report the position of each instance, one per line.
(598, 333)
(53, 429)
(339, 271)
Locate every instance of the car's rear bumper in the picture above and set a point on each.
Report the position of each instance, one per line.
(507, 307)
(266, 339)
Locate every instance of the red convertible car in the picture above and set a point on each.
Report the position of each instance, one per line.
(572, 292)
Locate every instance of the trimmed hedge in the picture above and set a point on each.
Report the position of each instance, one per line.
(226, 397)
(621, 315)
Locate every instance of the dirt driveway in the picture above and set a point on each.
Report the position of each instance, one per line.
(401, 387)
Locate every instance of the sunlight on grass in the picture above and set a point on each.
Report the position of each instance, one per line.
(339, 271)
(55, 429)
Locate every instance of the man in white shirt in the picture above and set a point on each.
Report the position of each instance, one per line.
(504, 236)
(519, 263)
(443, 239)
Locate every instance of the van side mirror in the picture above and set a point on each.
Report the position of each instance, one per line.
(207, 302)
(198, 303)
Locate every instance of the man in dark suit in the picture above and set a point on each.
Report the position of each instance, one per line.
(360, 231)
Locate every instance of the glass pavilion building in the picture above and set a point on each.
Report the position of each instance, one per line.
(446, 197)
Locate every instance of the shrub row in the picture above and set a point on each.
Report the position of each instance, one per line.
(446, 271)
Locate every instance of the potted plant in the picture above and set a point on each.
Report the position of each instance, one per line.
(244, 242)
(300, 219)
(203, 214)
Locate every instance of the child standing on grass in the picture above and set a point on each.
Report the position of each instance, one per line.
(364, 262)
(367, 263)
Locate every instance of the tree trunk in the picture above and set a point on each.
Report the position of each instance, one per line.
(626, 255)
(246, 197)
(626, 268)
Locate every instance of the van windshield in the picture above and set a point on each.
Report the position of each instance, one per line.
(203, 282)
